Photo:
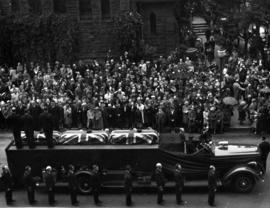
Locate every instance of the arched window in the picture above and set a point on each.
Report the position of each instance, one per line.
(105, 9)
(153, 23)
(35, 6)
(15, 5)
(85, 7)
(59, 6)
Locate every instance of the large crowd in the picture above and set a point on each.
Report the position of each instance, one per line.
(117, 93)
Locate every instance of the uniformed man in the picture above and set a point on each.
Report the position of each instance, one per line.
(160, 181)
(28, 127)
(128, 185)
(179, 183)
(46, 121)
(264, 148)
(96, 184)
(14, 121)
(49, 179)
(30, 184)
(212, 185)
(73, 185)
(7, 184)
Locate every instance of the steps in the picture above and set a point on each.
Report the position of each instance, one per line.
(199, 28)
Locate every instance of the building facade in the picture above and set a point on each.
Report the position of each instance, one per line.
(96, 21)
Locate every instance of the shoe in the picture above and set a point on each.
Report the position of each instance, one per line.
(33, 202)
(75, 204)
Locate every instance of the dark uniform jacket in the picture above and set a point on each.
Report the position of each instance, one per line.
(96, 181)
(14, 121)
(159, 178)
(29, 180)
(72, 180)
(6, 180)
(212, 180)
(49, 180)
(28, 122)
(128, 181)
(46, 121)
(179, 179)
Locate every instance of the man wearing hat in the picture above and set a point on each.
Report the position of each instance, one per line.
(30, 184)
(7, 184)
(179, 183)
(160, 181)
(14, 121)
(49, 179)
(212, 185)
(46, 121)
(264, 148)
(72, 184)
(128, 185)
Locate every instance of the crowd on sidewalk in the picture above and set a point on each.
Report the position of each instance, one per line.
(163, 93)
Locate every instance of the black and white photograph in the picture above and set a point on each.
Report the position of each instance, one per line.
(135, 103)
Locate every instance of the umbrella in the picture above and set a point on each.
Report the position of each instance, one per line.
(191, 50)
(230, 101)
(265, 90)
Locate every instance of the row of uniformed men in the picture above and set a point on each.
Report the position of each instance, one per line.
(50, 180)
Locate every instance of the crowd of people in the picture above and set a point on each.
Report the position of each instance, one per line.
(117, 93)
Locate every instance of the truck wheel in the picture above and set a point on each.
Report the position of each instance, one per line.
(84, 183)
(244, 183)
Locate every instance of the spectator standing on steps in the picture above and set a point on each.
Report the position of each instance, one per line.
(6, 179)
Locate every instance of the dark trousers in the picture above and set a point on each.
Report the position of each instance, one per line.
(178, 194)
(128, 198)
(49, 137)
(51, 198)
(96, 196)
(73, 196)
(30, 194)
(160, 195)
(211, 197)
(17, 138)
(30, 138)
(264, 161)
(8, 196)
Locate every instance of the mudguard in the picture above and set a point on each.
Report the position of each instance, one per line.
(242, 169)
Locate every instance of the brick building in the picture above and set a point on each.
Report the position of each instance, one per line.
(95, 18)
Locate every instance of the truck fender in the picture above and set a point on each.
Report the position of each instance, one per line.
(243, 169)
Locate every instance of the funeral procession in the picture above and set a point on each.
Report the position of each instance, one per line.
(142, 103)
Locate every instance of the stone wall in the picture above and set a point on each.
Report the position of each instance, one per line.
(96, 36)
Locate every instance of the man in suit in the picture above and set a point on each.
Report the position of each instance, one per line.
(212, 185)
(30, 184)
(46, 121)
(14, 121)
(28, 127)
(264, 148)
(49, 179)
(160, 181)
(7, 184)
(73, 185)
(96, 184)
(128, 185)
(179, 183)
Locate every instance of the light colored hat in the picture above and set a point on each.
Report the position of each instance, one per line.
(48, 168)
(158, 165)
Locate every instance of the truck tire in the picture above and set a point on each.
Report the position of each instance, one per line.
(243, 183)
(84, 182)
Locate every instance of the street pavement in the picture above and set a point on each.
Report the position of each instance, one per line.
(196, 196)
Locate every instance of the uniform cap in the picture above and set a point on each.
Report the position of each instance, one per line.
(158, 165)
(48, 168)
